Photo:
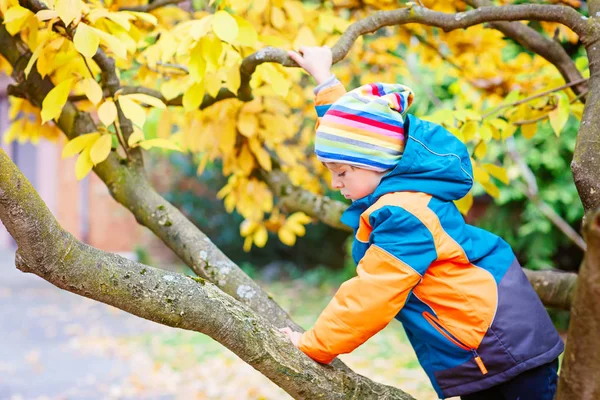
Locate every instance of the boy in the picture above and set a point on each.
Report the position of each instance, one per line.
(477, 327)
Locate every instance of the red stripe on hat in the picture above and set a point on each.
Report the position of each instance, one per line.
(379, 124)
(399, 101)
(375, 90)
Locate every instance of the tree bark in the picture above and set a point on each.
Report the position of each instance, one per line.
(168, 298)
(580, 374)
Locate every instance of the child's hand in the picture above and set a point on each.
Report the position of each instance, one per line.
(294, 336)
(315, 60)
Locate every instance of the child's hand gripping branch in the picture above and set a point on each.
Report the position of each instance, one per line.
(315, 60)
(293, 336)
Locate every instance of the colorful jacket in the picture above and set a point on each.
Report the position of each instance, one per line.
(465, 304)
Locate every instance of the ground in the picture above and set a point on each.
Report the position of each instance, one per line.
(58, 345)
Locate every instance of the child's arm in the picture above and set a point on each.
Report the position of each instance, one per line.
(317, 62)
(364, 305)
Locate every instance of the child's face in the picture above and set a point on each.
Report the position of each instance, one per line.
(354, 183)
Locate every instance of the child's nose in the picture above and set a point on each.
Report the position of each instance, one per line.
(336, 183)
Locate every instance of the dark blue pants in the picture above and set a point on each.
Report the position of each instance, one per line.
(535, 384)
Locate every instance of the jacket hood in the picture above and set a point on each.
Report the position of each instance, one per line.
(434, 162)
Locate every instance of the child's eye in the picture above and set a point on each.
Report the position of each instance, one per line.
(342, 174)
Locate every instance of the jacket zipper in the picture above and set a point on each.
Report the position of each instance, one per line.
(440, 328)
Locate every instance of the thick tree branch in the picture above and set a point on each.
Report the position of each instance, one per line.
(537, 43)
(129, 185)
(555, 288)
(298, 199)
(168, 298)
(152, 6)
(580, 375)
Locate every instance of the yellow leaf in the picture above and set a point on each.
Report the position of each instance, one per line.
(193, 96)
(247, 124)
(112, 43)
(197, 63)
(107, 112)
(247, 35)
(485, 132)
(246, 161)
(146, 17)
(286, 236)
(68, 10)
(55, 100)
(136, 137)
(225, 26)
(464, 204)
(233, 79)
(34, 57)
(44, 15)
(305, 37)
(299, 218)
(277, 17)
(261, 236)
(277, 81)
(213, 85)
(144, 98)
(200, 27)
(295, 11)
(228, 136)
(15, 17)
(529, 130)
(101, 149)
(173, 88)
(560, 115)
(509, 130)
(247, 244)
(285, 154)
(92, 90)
(480, 174)
(258, 6)
(133, 111)
(480, 150)
(86, 41)
(497, 172)
(76, 145)
(274, 40)
(468, 130)
(162, 143)
(247, 227)
(212, 48)
(491, 189)
(121, 19)
(262, 156)
(84, 164)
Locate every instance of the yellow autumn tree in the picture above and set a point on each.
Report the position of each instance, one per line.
(218, 76)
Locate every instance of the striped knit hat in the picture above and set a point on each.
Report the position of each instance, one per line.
(365, 127)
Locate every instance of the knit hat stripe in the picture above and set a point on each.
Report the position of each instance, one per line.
(361, 135)
(367, 163)
(353, 146)
(356, 126)
(365, 127)
(369, 118)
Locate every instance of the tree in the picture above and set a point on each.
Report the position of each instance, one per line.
(89, 70)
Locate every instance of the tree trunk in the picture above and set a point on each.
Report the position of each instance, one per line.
(580, 374)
